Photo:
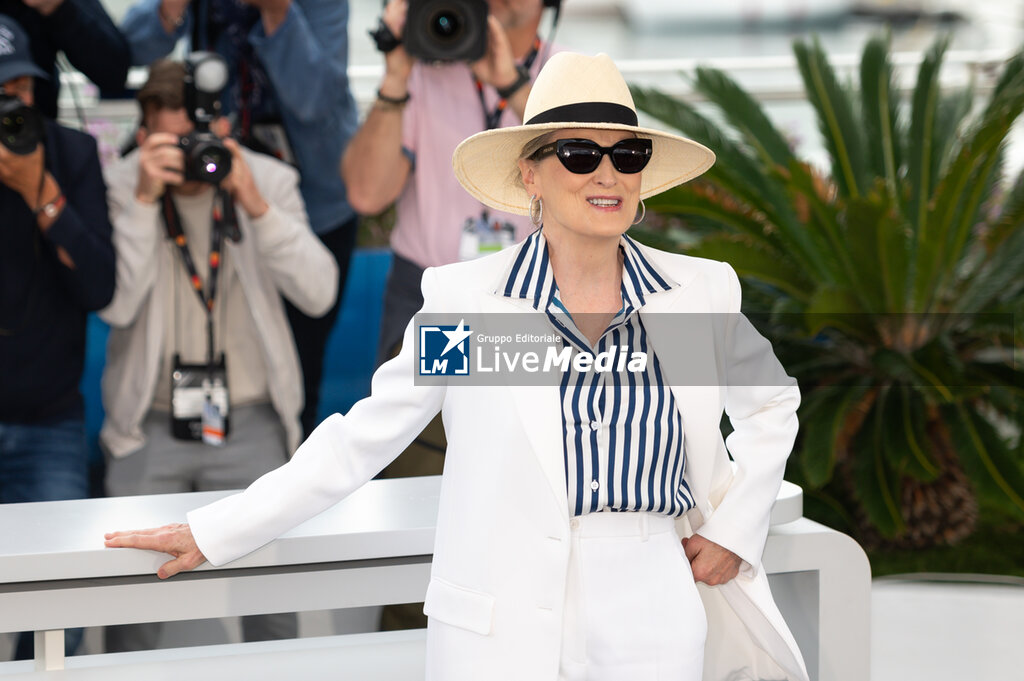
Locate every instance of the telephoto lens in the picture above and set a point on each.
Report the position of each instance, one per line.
(446, 30)
(21, 126)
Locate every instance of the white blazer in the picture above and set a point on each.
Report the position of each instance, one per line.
(496, 593)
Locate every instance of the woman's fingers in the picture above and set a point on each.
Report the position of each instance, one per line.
(710, 563)
(188, 561)
(176, 540)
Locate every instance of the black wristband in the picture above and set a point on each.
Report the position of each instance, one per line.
(384, 38)
(522, 79)
(396, 101)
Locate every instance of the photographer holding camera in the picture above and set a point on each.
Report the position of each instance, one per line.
(202, 387)
(83, 31)
(472, 70)
(288, 93)
(56, 265)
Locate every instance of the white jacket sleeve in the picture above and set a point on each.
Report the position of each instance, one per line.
(761, 403)
(341, 455)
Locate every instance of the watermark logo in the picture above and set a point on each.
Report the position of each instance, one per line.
(444, 350)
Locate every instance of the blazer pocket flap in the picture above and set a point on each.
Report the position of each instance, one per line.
(459, 606)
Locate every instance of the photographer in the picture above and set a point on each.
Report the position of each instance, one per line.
(202, 388)
(288, 93)
(83, 31)
(404, 148)
(56, 264)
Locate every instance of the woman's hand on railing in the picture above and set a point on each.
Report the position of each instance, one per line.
(176, 539)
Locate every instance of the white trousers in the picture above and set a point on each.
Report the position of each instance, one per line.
(632, 610)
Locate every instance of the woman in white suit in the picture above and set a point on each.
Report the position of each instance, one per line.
(558, 550)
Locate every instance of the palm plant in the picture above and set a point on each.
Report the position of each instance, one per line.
(893, 286)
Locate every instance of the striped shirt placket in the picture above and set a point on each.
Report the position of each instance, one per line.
(622, 435)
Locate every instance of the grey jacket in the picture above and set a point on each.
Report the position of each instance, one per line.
(278, 255)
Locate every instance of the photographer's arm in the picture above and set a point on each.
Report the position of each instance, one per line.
(83, 30)
(303, 44)
(302, 268)
(374, 166)
(82, 230)
(498, 69)
(72, 218)
(135, 185)
(153, 27)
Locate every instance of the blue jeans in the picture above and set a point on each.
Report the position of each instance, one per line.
(44, 463)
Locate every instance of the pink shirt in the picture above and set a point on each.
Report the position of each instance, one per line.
(444, 109)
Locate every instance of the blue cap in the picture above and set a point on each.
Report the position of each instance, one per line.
(15, 56)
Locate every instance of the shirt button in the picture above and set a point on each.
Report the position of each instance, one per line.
(594, 425)
(574, 523)
(594, 485)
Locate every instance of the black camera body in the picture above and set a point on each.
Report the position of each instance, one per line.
(446, 30)
(21, 126)
(206, 157)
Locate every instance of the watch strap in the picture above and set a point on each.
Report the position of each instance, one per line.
(52, 208)
(522, 79)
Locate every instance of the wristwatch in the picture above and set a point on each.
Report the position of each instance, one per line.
(51, 209)
(522, 79)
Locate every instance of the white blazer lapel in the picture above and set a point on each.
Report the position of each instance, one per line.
(539, 407)
(682, 332)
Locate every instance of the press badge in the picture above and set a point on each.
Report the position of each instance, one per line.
(199, 402)
(482, 235)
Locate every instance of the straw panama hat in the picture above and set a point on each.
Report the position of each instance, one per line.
(571, 91)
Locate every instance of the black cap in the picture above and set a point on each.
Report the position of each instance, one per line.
(15, 57)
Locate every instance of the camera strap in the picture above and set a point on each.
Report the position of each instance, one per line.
(172, 222)
(493, 118)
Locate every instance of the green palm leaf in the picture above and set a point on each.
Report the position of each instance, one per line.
(735, 170)
(880, 105)
(988, 459)
(961, 193)
(745, 115)
(949, 117)
(920, 162)
(823, 418)
(701, 201)
(1002, 274)
(752, 259)
(874, 235)
(910, 436)
(877, 486)
(836, 118)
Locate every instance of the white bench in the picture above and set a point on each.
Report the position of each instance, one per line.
(373, 548)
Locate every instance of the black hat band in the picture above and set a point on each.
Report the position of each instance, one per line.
(587, 112)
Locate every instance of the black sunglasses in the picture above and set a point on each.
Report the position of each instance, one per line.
(582, 156)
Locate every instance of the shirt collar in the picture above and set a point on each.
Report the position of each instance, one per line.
(530, 276)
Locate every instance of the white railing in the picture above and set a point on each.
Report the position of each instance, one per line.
(373, 548)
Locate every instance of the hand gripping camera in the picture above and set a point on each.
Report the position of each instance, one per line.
(21, 126)
(206, 157)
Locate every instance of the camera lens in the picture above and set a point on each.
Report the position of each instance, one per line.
(210, 162)
(446, 25)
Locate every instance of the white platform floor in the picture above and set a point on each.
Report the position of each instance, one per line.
(922, 630)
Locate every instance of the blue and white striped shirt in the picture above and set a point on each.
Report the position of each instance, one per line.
(622, 431)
